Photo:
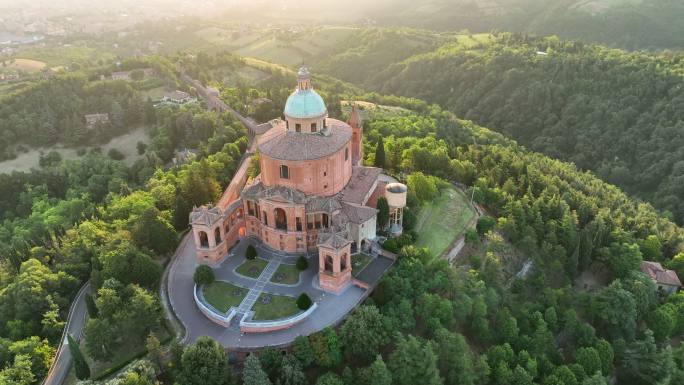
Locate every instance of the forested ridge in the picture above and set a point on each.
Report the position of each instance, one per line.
(616, 113)
(641, 24)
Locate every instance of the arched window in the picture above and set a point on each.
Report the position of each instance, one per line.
(328, 263)
(280, 219)
(325, 220)
(227, 228)
(343, 262)
(346, 153)
(284, 172)
(204, 239)
(313, 127)
(217, 235)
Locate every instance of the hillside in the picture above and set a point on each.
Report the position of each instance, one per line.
(616, 113)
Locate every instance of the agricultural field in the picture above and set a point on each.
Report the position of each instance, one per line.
(25, 65)
(126, 144)
(440, 222)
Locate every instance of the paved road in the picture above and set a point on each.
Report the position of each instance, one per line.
(75, 324)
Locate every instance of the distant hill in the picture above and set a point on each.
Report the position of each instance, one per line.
(617, 113)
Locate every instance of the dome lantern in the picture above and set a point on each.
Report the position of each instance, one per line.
(305, 109)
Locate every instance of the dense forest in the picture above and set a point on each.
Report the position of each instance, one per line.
(427, 322)
(618, 114)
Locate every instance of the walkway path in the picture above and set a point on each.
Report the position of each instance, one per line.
(255, 291)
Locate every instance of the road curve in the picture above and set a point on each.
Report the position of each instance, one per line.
(76, 321)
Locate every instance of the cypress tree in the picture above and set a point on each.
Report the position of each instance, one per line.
(80, 365)
(380, 154)
(91, 306)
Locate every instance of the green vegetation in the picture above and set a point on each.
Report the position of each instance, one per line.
(251, 252)
(272, 307)
(302, 263)
(204, 275)
(252, 267)
(359, 262)
(286, 274)
(223, 295)
(593, 106)
(440, 221)
(304, 302)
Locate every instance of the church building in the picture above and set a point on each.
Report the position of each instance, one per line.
(312, 195)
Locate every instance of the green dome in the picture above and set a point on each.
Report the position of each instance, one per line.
(305, 104)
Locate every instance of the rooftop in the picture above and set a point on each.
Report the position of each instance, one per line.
(279, 143)
(661, 275)
(360, 185)
(305, 104)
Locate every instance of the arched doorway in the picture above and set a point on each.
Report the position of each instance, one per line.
(217, 235)
(204, 239)
(280, 219)
(328, 263)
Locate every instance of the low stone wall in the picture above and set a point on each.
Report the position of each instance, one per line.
(211, 313)
(269, 326)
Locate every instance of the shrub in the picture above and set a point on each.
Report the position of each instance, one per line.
(302, 263)
(204, 275)
(251, 252)
(471, 236)
(484, 224)
(304, 302)
(141, 147)
(115, 154)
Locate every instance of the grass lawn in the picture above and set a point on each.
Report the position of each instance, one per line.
(280, 306)
(359, 262)
(287, 274)
(222, 295)
(441, 221)
(252, 268)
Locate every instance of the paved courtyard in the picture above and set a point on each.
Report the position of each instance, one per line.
(332, 308)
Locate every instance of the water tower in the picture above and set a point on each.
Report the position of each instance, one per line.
(395, 193)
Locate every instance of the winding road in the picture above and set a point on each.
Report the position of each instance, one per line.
(76, 321)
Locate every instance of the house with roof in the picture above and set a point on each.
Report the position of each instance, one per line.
(666, 280)
(178, 98)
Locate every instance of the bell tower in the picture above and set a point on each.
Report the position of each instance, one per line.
(357, 135)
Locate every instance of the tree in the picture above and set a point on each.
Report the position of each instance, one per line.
(90, 305)
(304, 302)
(271, 360)
(291, 372)
(152, 231)
(329, 379)
(101, 338)
(484, 224)
(81, 367)
(253, 374)
(141, 147)
(326, 348)
(19, 373)
(251, 252)
(205, 362)
(662, 322)
(617, 309)
(375, 374)
(413, 362)
(302, 263)
(303, 351)
(204, 275)
(383, 213)
(154, 349)
(643, 362)
(455, 359)
(606, 355)
(589, 359)
(363, 334)
(379, 154)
